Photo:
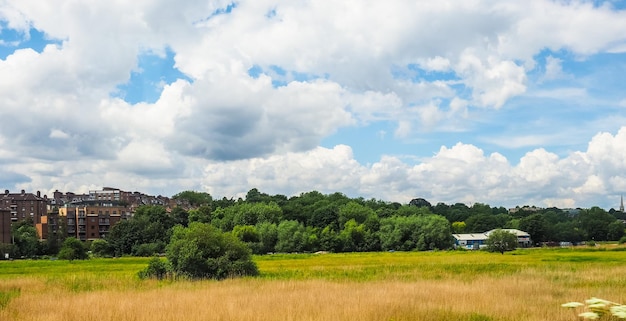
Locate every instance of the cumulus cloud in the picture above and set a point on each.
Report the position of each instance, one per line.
(267, 81)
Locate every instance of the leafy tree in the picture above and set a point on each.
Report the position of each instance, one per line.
(354, 211)
(246, 233)
(268, 236)
(501, 241)
(481, 223)
(420, 202)
(615, 231)
(292, 237)
(26, 238)
(201, 214)
(324, 214)
(180, 216)
(123, 236)
(201, 251)
(458, 227)
(568, 232)
(595, 223)
(73, 249)
(101, 248)
(536, 226)
(416, 232)
(194, 198)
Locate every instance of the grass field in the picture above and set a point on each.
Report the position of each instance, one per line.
(473, 286)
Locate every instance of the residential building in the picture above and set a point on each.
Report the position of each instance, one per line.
(23, 206)
(5, 226)
(91, 220)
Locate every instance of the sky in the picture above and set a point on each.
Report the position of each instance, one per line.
(507, 103)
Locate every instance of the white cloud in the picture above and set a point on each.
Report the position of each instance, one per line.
(236, 131)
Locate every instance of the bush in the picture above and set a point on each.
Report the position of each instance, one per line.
(201, 251)
(622, 240)
(73, 249)
(148, 249)
(101, 248)
(157, 269)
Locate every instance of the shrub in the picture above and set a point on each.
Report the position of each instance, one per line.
(73, 249)
(201, 251)
(622, 240)
(156, 269)
(101, 248)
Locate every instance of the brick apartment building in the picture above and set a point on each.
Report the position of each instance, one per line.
(21, 206)
(91, 220)
(84, 216)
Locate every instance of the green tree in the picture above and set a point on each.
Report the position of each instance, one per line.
(595, 223)
(202, 214)
(416, 232)
(615, 231)
(25, 238)
(73, 249)
(201, 251)
(268, 236)
(194, 198)
(292, 237)
(458, 227)
(501, 241)
(535, 225)
(156, 269)
(101, 248)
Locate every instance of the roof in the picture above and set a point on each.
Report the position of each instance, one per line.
(484, 236)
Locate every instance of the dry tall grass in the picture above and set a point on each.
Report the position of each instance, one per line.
(532, 292)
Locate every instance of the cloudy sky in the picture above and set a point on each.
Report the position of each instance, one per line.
(499, 102)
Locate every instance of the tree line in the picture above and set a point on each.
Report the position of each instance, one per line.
(313, 221)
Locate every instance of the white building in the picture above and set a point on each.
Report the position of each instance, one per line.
(477, 241)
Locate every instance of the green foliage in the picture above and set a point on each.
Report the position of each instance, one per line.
(292, 237)
(201, 251)
(101, 248)
(423, 232)
(501, 241)
(194, 198)
(458, 227)
(535, 225)
(26, 238)
(148, 249)
(622, 240)
(156, 269)
(73, 249)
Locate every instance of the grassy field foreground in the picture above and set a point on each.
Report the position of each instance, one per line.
(473, 286)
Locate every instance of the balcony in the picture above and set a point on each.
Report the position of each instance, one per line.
(71, 230)
(104, 222)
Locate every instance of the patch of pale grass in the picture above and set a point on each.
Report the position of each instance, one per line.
(521, 297)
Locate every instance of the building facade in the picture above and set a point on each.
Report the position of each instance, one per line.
(22, 206)
(91, 220)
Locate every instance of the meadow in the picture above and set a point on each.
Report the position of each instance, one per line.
(526, 284)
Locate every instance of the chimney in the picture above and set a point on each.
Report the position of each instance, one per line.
(38, 194)
(6, 192)
(23, 192)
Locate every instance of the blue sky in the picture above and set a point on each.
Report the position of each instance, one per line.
(492, 102)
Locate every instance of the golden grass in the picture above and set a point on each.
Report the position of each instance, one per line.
(380, 286)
